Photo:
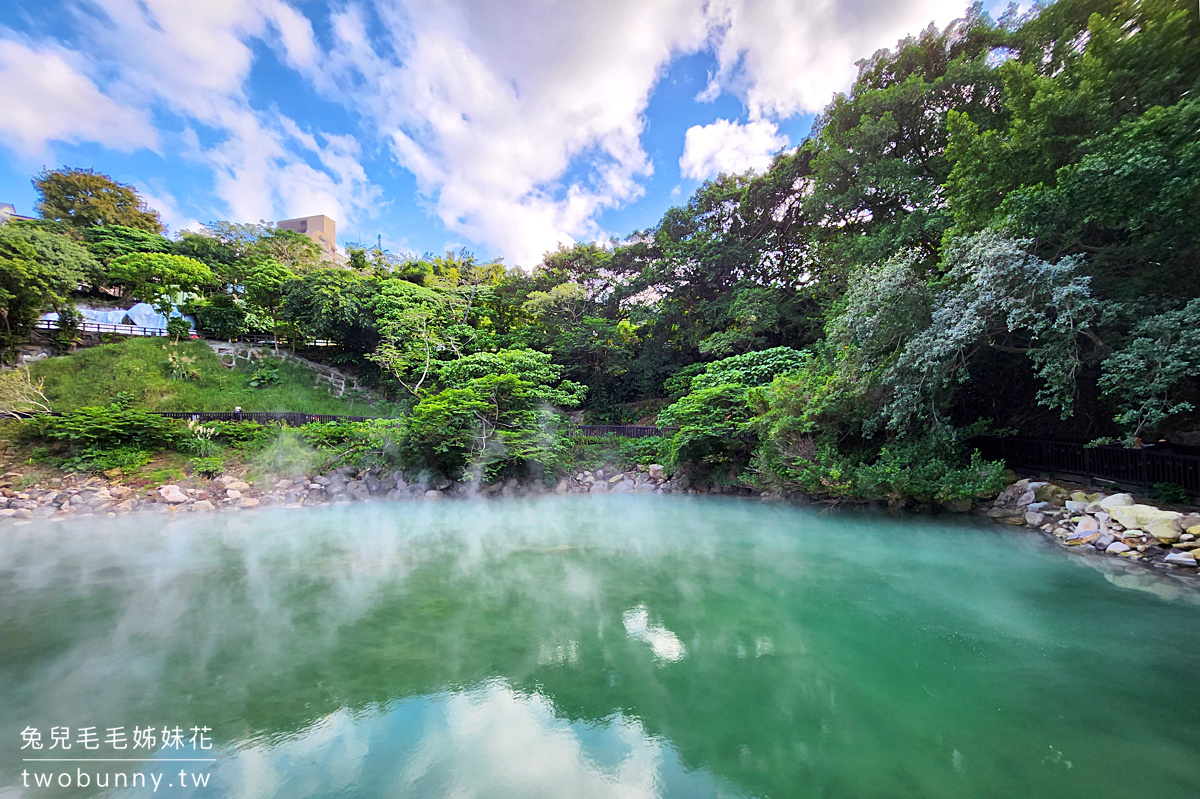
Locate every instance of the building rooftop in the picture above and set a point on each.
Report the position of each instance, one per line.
(9, 211)
(320, 229)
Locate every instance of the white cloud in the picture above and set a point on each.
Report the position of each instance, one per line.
(195, 59)
(729, 147)
(46, 97)
(521, 123)
(783, 57)
(165, 203)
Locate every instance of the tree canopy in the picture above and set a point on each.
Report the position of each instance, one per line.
(84, 198)
(995, 226)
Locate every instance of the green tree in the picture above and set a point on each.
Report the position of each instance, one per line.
(28, 286)
(418, 326)
(530, 366)
(997, 296)
(479, 428)
(266, 282)
(109, 242)
(294, 251)
(337, 305)
(158, 278)
(715, 427)
(58, 252)
(83, 198)
(220, 257)
(1154, 376)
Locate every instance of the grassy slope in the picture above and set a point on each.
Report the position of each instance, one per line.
(138, 367)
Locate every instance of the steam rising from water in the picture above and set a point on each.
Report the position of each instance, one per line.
(598, 646)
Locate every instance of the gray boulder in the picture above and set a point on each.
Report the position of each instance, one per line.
(172, 494)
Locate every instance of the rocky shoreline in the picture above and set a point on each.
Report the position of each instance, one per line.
(1111, 524)
(76, 495)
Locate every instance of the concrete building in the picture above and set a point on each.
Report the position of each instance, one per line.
(318, 228)
(9, 211)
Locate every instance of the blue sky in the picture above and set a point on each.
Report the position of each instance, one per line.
(504, 127)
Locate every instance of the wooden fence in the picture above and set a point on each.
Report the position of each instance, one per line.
(1134, 467)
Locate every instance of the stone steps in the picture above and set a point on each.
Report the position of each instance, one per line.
(229, 353)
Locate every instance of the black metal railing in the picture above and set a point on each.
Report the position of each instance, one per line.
(262, 417)
(627, 430)
(296, 419)
(1135, 467)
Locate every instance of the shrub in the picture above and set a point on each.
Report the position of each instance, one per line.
(714, 426)
(373, 443)
(287, 454)
(1169, 494)
(242, 435)
(199, 441)
(180, 366)
(222, 315)
(751, 369)
(178, 328)
(265, 375)
(806, 465)
(641, 451)
(67, 336)
(929, 469)
(101, 459)
(493, 423)
(208, 467)
(107, 428)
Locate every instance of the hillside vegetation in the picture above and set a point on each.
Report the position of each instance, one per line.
(139, 373)
(995, 228)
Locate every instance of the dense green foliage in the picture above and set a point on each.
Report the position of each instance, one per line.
(30, 281)
(995, 225)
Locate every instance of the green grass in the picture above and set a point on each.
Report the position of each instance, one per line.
(137, 368)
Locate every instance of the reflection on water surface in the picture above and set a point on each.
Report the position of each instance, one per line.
(600, 646)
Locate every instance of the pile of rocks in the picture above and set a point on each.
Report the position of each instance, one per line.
(649, 479)
(63, 497)
(652, 478)
(342, 485)
(1114, 524)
